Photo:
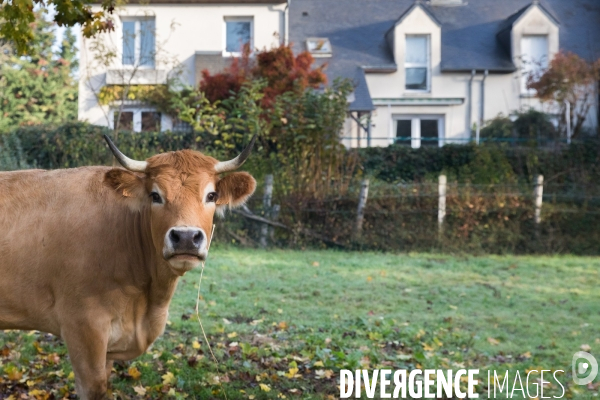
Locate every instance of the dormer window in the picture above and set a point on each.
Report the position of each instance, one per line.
(534, 59)
(417, 63)
(319, 47)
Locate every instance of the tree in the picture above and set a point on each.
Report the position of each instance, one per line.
(39, 87)
(282, 71)
(17, 19)
(570, 79)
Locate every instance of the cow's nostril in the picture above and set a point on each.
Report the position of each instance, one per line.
(197, 238)
(174, 236)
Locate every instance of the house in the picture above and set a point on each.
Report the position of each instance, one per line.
(426, 72)
(430, 72)
(154, 40)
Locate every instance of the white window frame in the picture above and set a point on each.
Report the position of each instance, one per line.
(237, 19)
(415, 128)
(427, 65)
(525, 71)
(137, 117)
(137, 51)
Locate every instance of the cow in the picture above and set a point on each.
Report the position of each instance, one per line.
(93, 254)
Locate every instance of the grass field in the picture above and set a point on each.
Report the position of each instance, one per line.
(283, 323)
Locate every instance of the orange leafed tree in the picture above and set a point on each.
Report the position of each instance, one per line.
(282, 70)
(572, 79)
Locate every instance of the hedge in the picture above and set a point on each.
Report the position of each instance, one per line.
(489, 200)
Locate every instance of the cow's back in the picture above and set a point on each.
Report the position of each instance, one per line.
(55, 228)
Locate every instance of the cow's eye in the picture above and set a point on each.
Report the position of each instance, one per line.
(156, 198)
(212, 197)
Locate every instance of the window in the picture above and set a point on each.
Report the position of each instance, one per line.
(150, 121)
(419, 130)
(534, 58)
(319, 47)
(416, 63)
(138, 42)
(125, 120)
(182, 126)
(238, 33)
(138, 120)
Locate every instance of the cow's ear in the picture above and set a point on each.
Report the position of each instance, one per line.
(234, 190)
(126, 184)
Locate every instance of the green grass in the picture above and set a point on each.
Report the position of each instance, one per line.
(320, 311)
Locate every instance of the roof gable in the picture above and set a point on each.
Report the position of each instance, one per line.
(417, 4)
(389, 35)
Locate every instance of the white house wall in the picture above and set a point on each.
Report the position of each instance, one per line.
(181, 30)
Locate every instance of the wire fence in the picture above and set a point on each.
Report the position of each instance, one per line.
(440, 141)
(515, 218)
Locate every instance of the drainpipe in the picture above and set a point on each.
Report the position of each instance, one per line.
(369, 130)
(482, 107)
(286, 23)
(470, 109)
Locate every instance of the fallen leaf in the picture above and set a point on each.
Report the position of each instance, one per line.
(140, 390)
(196, 344)
(493, 342)
(13, 373)
(291, 373)
(585, 347)
(315, 264)
(38, 348)
(264, 388)
(134, 373)
(39, 394)
(232, 335)
(168, 378)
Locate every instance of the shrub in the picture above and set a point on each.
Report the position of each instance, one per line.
(11, 154)
(531, 127)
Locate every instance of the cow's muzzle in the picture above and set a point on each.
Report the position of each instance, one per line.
(185, 247)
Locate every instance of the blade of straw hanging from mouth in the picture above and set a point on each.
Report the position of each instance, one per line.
(198, 315)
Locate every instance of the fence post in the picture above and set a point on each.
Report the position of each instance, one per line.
(568, 120)
(441, 202)
(538, 192)
(360, 212)
(268, 193)
(274, 218)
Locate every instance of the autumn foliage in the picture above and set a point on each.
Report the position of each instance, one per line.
(572, 79)
(279, 67)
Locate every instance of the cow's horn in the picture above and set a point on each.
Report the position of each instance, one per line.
(128, 163)
(232, 165)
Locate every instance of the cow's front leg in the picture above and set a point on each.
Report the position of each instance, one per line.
(87, 345)
(108, 369)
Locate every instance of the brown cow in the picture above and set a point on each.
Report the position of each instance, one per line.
(93, 254)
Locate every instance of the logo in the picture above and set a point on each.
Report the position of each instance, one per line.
(584, 363)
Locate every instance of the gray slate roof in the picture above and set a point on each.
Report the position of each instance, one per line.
(357, 28)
